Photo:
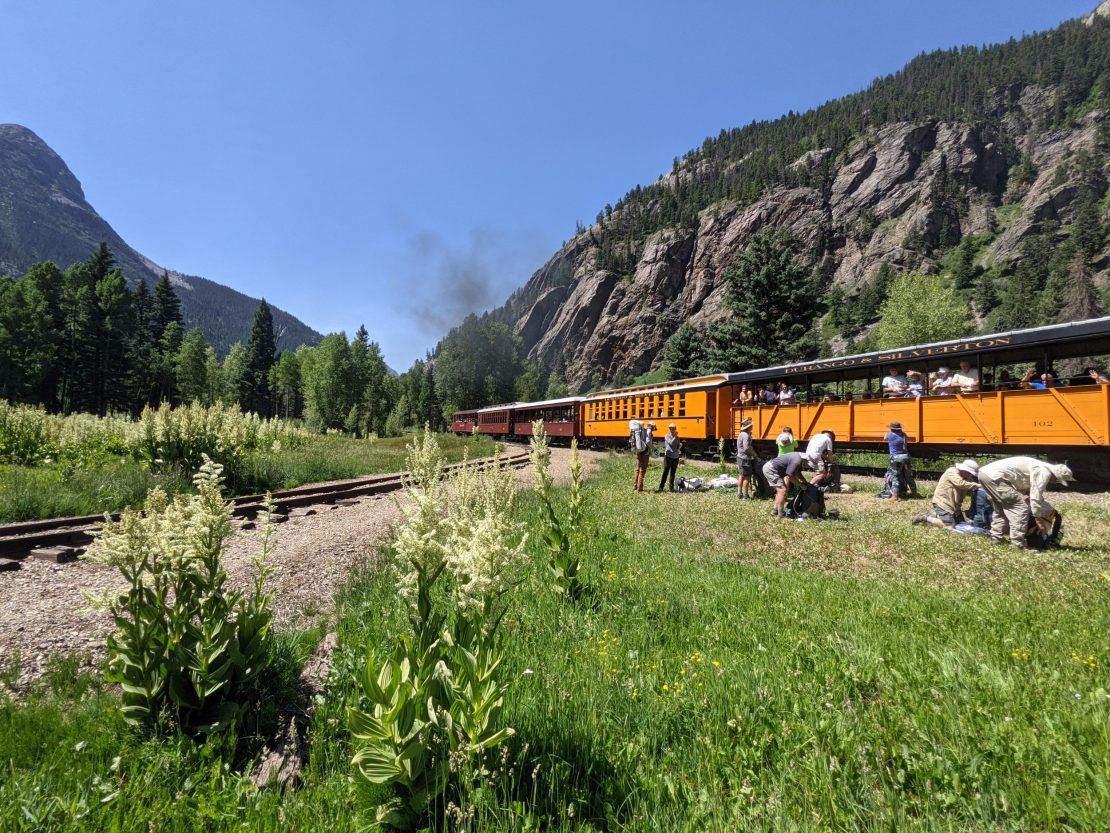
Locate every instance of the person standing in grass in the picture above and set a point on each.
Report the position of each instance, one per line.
(1008, 483)
(958, 482)
(782, 473)
(745, 459)
(643, 457)
(899, 473)
(786, 442)
(672, 450)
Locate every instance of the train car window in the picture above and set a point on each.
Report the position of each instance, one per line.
(682, 404)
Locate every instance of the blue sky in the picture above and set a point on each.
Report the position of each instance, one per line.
(400, 163)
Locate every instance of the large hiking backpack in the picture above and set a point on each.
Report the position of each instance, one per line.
(809, 502)
(637, 436)
(1037, 540)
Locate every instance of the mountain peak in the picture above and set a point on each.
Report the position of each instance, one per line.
(1103, 10)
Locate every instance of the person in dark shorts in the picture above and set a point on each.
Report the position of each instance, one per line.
(782, 473)
(672, 450)
(745, 460)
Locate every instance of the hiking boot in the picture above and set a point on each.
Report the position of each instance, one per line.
(774, 513)
(919, 518)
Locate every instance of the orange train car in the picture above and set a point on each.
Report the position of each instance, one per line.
(694, 405)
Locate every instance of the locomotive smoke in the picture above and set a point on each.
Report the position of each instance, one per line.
(448, 282)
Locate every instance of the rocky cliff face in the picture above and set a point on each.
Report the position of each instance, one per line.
(878, 197)
(44, 216)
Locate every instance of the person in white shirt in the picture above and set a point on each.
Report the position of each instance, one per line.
(786, 395)
(966, 379)
(894, 384)
(1008, 483)
(942, 383)
(819, 452)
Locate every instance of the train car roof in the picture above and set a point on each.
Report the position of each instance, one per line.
(693, 383)
(1079, 338)
(504, 407)
(548, 403)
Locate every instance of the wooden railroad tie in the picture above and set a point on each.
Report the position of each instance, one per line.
(55, 555)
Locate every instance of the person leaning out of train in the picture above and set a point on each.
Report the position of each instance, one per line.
(745, 460)
(1016, 487)
(765, 396)
(782, 473)
(745, 399)
(957, 483)
(941, 382)
(785, 442)
(819, 456)
(966, 378)
(1096, 376)
(672, 450)
(894, 383)
(786, 395)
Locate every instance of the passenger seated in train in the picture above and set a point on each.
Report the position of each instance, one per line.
(786, 395)
(894, 384)
(915, 385)
(1032, 381)
(967, 378)
(745, 399)
(941, 382)
(765, 396)
(958, 482)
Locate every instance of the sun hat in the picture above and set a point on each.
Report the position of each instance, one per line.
(968, 467)
(651, 425)
(672, 425)
(1062, 473)
(942, 369)
(895, 426)
(745, 423)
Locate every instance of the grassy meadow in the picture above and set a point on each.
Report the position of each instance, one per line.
(722, 671)
(109, 482)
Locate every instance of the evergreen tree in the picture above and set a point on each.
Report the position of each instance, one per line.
(142, 350)
(1088, 233)
(168, 346)
(1081, 300)
(113, 335)
(254, 383)
(167, 306)
(771, 298)
(684, 354)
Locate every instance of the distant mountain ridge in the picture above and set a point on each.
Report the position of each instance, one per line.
(996, 146)
(44, 216)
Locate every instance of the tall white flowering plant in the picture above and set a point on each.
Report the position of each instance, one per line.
(186, 647)
(560, 533)
(432, 703)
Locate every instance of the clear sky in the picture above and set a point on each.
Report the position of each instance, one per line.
(401, 163)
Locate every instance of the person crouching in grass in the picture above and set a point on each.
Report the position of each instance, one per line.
(958, 482)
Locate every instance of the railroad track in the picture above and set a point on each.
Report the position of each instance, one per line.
(62, 540)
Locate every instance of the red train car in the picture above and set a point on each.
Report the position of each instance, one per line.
(464, 422)
(560, 417)
(497, 420)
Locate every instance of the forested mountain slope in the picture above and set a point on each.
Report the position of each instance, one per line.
(988, 165)
(44, 217)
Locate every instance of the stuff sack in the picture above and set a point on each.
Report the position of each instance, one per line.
(690, 484)
(637, 436)
(1035, 540)
(809, 503)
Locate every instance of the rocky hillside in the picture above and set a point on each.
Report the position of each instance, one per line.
(992, 145)
(44, 216)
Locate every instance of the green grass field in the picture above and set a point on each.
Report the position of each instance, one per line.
(723, 671)
(29, 493)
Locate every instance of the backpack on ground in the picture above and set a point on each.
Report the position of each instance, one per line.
(1037, 540)
(809, 502)
(637, 436)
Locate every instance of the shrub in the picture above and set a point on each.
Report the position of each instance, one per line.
(186, 647)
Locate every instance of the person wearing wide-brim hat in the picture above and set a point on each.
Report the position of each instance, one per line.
(1009, 483)
(900, 474)
(745, 460)
(958, 482)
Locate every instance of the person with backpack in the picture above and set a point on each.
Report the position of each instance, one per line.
(900, 474)
(1016, 487)
(672, 450)
(786, 442)
(639, 440)
(957, 483)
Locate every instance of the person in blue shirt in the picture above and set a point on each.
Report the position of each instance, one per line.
(899, 474)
